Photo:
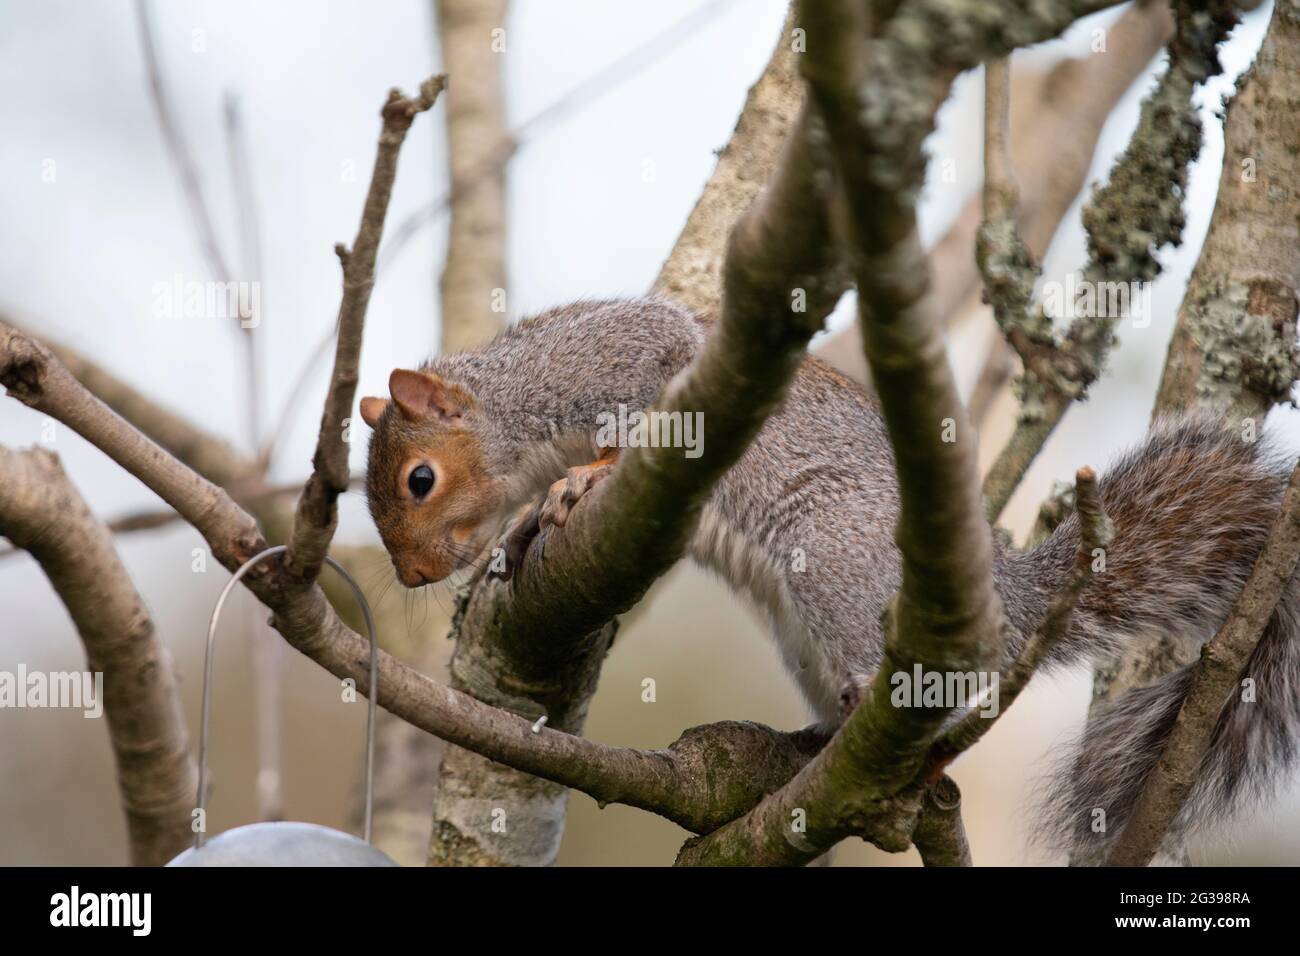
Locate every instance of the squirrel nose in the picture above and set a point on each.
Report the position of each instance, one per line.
(413, 577)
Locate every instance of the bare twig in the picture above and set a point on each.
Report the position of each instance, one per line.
(317, 508)
(1095, 533)
(600, 84)
(178, 148)
(41, 512)
(250, 243)
(268, 651)
(1054, 136)
(1126, 227)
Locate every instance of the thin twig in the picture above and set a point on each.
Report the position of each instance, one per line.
(317, 508)
(1095, 534)
(178, 148)
(1126, 227)
(599, 84)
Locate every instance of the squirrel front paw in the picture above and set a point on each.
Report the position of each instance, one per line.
(558, 502)
(550, 510)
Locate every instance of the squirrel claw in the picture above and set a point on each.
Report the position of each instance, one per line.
(550, 510)
(566, 492)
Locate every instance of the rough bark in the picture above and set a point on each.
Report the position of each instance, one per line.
(947, 615)
(1233, 349)
(1236, 308)
(692, 273)
(1127, 224)
(1055, 127)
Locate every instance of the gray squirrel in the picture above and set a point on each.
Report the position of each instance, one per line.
(471, 439)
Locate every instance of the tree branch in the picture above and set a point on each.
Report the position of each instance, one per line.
(947, 616)
(317, 514)
(940, 836)
(1054, 134)
(476, 238)
(1126, 225)
(41, 512)
(1233, 349)
(1246, 268)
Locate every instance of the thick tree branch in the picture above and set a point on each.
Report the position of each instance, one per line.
(549, 629)
(41, 512)
(1233, 349)
(472, 295)
(476, 123)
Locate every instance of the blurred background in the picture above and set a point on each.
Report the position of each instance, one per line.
(93, 218)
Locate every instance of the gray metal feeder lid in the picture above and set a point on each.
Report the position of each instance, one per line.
(283, 844)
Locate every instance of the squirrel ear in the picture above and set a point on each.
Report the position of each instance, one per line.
(371, 409)
(420, 395)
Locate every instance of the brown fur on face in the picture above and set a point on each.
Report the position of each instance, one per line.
(431, 537)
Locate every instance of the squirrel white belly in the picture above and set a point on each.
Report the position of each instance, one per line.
(803, 525)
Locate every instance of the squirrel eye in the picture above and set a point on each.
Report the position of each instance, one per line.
(421, 481)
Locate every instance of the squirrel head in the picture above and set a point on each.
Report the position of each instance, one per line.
(428, 484)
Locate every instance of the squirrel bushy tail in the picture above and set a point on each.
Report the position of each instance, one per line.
(1192, 507)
